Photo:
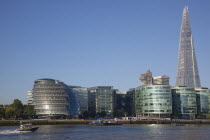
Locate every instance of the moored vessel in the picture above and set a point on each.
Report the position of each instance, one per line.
(101, 123)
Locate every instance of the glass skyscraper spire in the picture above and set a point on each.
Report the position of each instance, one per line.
(187, 74)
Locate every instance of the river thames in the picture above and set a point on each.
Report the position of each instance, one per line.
(124, 132)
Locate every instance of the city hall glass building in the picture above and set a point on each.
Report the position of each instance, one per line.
(54, 98)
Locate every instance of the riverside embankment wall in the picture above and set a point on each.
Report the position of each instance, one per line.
(86, 122)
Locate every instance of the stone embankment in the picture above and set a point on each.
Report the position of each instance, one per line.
(86, 122)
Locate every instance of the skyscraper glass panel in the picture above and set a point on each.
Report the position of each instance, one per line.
(153, 101)
(184, 102)
(187, 74)
(54, 98)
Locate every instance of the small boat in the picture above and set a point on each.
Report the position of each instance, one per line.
(101, 123)
(27, 128)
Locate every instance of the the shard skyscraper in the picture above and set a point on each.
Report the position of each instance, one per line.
(187, 74)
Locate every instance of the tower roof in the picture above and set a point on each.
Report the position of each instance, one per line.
(185, 9)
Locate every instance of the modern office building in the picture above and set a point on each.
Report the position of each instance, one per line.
(92, 100)
(187, 73)
(184, 102)
(146, 78)
(161, 80)
(119, 100)
(130, 102)
(101, 99)
(203, 102)
(30, 99)
(53, 98)
(153, 99)
(82, 95)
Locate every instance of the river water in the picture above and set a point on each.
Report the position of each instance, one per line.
(124, 132)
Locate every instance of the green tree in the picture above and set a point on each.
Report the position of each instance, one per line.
(10, 112)
(207, 116)
(119, 113)
(29, 110)
(2, 113)
(18, 107)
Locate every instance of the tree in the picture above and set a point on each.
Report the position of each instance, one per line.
(18, 107)
(2, 113)
(119, 113)
(29, 110)
(10, 112)
(207, 116)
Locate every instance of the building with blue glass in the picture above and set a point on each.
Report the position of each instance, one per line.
(100, 99)
(82, 95)
(184, 102)
(203, 102)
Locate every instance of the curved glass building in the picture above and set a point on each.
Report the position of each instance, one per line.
(54, 98)
(184, 102)
(153, 101)
(203, 102)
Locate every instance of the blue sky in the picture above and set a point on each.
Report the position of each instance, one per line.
(95, 42)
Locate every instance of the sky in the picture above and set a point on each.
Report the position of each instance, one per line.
(95, 42)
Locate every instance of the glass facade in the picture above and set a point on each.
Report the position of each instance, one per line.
(184, 102)
(82, 95)
(153, 101)
(130, 102)
(54, 98)
(203, 102)
(119, 100)
(187, 73)
(101, 99)
(30, 97)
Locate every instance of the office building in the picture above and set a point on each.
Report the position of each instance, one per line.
(161, 80)
(184, 102)
(146, 78)
(203, 102)
(187, 73)
(101, 99)
(130, 102)
(153, 99)
(119, 101)
(82, 95)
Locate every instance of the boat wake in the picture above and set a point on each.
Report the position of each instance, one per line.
(7, 132)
